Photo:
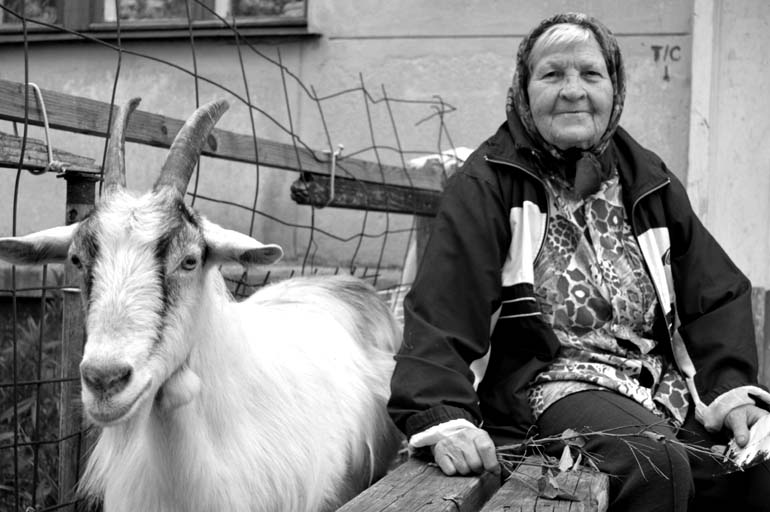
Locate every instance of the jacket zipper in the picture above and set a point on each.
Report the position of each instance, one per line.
(545, 190)
(647, 264)
(642, 196)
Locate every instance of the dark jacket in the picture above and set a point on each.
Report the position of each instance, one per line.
(477, 274)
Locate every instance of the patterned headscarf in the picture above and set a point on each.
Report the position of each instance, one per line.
(518, 98)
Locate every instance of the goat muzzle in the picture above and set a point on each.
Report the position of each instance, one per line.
(108, 379)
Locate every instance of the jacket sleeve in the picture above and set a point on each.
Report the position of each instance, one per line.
(714, 307)
(448, 309)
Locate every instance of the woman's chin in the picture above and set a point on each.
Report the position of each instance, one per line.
(569, 136)
(574, 141)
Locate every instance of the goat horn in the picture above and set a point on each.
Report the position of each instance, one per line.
(115, 165)
(188, 145)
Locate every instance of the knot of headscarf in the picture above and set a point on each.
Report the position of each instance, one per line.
(580, 169)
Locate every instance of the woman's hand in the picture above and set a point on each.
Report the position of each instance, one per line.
(469, 450)
(740, 420)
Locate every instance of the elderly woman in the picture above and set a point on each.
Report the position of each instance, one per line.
(568, 284)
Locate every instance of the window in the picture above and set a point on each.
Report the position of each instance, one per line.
(150, 18)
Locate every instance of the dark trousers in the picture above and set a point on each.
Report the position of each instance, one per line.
(655, 475)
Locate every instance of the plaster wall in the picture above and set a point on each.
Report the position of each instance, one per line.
(739, 157)
(461, 51)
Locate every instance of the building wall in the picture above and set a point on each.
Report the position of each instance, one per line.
(730, 159)
(461, 51)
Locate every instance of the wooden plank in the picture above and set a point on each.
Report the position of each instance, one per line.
(416, 485)
(84, 115)
(520, 492)
(316, 190)
(36, 156)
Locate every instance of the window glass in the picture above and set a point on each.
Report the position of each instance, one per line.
(134, 10)
(38, 10)
(150, 16)
(290, 8)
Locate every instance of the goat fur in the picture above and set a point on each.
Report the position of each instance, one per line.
(276, 403)
(290, 406)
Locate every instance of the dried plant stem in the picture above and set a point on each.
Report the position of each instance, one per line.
(511, 456)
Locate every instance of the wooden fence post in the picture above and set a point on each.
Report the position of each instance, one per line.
(80, 200)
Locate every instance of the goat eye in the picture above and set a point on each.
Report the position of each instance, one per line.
(75, 260)
(189, 262)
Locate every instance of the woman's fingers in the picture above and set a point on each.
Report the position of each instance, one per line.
(444, 462)
(486, 450)
(740, 419)
(450, 456)
(473, 460)
(467, 451)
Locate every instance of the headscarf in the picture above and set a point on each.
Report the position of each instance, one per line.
(582, 169)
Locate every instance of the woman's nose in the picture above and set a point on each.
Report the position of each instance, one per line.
(572, 88)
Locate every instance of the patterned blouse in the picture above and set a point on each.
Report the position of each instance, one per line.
(593, 290)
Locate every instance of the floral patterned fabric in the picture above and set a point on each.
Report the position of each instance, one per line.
(592, 288)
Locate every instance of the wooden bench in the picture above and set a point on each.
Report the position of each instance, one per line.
(419, 486)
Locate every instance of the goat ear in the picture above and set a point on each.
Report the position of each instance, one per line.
(227, 246)
(47, 246)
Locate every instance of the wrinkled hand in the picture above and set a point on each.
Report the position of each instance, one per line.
(740, 420)
(467, 451)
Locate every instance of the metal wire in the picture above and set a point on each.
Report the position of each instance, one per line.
(53, 165)
(28, 450)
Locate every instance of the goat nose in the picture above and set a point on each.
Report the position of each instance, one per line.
(111, 378)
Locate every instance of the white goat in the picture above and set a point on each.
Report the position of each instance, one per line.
(276, 403)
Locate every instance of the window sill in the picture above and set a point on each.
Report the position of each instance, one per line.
(155, 31)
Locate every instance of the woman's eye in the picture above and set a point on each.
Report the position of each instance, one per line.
(189, 263)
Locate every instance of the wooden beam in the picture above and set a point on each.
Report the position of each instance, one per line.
(317, 190)
(416, 485)
(87, 116)
(36, 156)
(344, 193)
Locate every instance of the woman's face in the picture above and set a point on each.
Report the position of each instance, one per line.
(570, 95)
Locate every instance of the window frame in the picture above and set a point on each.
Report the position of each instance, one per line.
(80, 20)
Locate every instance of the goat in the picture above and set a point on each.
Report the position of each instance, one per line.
(276, 403)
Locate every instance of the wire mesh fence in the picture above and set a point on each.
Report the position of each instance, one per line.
(355, 209)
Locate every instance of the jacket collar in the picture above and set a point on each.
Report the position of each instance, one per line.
(512, 144)
(640, 169)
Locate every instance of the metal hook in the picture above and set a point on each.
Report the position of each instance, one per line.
(333, 170)
(53, 165)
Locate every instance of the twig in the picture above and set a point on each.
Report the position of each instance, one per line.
(511, 456)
